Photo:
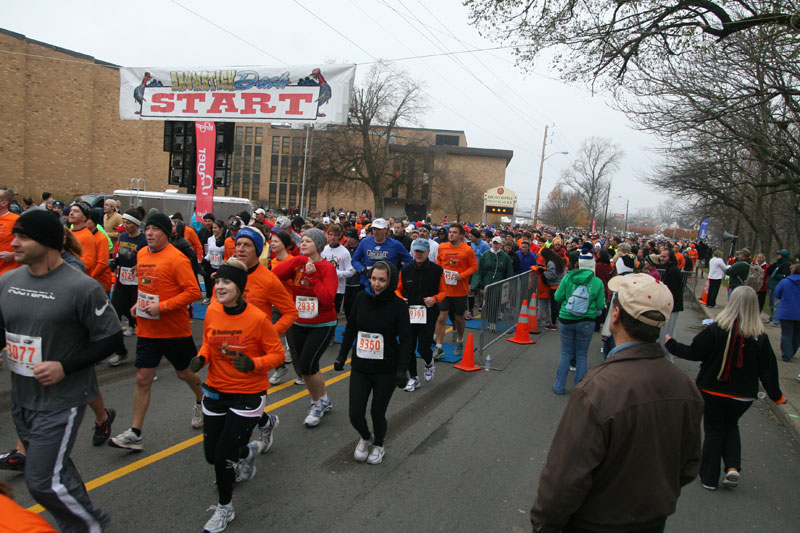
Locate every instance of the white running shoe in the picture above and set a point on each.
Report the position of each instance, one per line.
(430, 371)
(127, 440)
(116, 359)
(197, 416)
(266, 432)
(277, 376)
(376, 455)
(731, 478)
(315, 412)
(362, 451)
(246, 468)
(413, 384)
(127, 331)
(223, 515)
(299, 381)
(326, 403)
(206, 301)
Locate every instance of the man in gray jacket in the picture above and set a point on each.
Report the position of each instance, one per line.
(629, 438)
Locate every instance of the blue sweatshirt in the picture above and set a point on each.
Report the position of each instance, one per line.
(788, 292)
(526, 261)
(479, 248)
(368, 253)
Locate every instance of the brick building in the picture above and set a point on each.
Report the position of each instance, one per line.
(61, 133)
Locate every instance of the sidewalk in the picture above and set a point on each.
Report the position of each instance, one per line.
(788, 413)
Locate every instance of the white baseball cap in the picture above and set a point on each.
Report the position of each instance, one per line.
(380, 223)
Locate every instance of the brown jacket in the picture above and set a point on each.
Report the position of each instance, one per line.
(628, 441)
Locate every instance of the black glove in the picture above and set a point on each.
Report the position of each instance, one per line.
(112, 264)
(400, 380)
(338, 365)
(243, 363)
(197, 363)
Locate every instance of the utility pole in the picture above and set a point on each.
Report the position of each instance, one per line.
(626, 216)
(539, 186)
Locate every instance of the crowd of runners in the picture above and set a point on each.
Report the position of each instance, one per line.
(274, 289)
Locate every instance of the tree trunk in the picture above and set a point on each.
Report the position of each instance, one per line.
(377, 197)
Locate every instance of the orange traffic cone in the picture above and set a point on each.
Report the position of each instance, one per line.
(467, 363)
(704, 298)
(533, 316)
(522, 333)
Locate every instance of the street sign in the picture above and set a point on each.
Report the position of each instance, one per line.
(499, 201)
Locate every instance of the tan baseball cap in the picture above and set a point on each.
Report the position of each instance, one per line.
(640, 293)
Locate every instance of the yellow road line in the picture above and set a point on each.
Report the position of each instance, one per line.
(172, 450)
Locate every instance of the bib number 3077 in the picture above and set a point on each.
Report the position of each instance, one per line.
(23, 353)
(369, 345)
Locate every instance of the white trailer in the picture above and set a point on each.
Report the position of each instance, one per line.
(172, 201)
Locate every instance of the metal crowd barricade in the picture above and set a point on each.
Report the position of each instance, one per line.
(684, 277)
(501, 305)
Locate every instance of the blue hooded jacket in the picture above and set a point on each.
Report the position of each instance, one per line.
(368, 253)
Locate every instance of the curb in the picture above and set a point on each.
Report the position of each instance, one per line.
(788, 413)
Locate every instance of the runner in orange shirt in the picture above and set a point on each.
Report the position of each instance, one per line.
(167, 285)
(101, 272)
(78, 215)
(459, 263)
(230, 242)
(7, 221)
(240, 346)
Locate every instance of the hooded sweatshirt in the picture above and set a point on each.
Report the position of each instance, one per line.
(788, 292)
(385, 314)
(369, 252)
(597, 294)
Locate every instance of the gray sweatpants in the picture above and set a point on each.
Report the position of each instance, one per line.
(50, 474)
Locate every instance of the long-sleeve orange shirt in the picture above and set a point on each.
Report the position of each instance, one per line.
(230, 248)
(167, 276)
(101, 271)
(191, 235)
(7, 222)
(88, 248)
(250, 332)
(460, 259)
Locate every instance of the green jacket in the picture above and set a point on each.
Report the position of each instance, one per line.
(491, 268)
(574, 278)
(738, 273)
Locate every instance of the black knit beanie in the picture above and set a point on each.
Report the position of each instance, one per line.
(236, 275)
(41, 226)
(161, 221)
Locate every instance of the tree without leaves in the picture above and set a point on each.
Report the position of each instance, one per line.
(564, 209)
(611, 37)
(359, 151)
(590, 174)
(457, 194)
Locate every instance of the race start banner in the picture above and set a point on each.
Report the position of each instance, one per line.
(206, 141)
(305, 93)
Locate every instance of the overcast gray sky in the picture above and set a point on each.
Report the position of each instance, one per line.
(508, 112)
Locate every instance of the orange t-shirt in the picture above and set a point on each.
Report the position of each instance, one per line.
(250, 332)
(691, 252)
(7, 222)
(101, 271)
(191, 235)
(168, 275)
(17, 519)
(88, 248)
(230, 248)
(681, 260)
(460, 259)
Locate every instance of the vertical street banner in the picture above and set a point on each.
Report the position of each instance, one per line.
(206, 141)
(594, 225)
(315, 94)
(703, 233)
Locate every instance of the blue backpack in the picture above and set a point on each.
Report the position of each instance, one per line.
(578, 303)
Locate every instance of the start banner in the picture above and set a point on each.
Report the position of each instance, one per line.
(237, 94)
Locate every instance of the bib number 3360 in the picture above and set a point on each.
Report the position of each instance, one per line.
(369, 345)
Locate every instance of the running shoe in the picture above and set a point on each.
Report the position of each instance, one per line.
(223, 515)
(430, 371)
(206, 301)
(709, 487)
(731, 479)
(299, 381)
(376, 455)
(102, 430)
(468, 315)
(246, 468)
(116, 359)
(362, 451)
(127, 439)
(277, 376)
(315, 412)
(13, 460)
(127, 331)
(459, 348)
(438, 352)
(413, 384)
(266, 432)
(197, 416)
(571, 368)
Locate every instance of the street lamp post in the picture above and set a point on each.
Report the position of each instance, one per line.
(541, 169)
(626, 216)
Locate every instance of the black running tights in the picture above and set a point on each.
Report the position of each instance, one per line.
(381, 386)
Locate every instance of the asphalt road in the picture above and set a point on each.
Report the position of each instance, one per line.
(463, 453)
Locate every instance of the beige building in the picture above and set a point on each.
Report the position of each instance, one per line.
(62, 134)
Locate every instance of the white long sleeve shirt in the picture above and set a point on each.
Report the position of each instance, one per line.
(340, 258)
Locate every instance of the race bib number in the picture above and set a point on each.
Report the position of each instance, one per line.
(23, 353)
(127, 276)
(418, 314)
(215, 260)
(142, 301)
(450, 277)
(307, 306)
(369, 345)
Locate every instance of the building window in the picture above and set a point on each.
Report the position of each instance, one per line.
(273, 188)
(276, 144)
(446, 140)
(259, 136)
(286, 141)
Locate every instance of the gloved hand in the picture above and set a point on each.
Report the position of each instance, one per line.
(242, 363)
(338, 365)
(400, 380)
(197, 363)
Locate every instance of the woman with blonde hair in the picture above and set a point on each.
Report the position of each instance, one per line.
(734, 354)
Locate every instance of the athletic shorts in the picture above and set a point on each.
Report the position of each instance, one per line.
(179, 352)
(216, 403)
(456, 304)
